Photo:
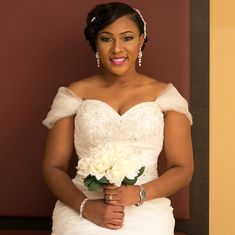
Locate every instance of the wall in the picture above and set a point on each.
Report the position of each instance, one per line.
(222, 122)
(42, 47)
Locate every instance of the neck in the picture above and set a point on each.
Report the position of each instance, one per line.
(123, 80)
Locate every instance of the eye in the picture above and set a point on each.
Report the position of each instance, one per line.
(106, 39)
(128, 38)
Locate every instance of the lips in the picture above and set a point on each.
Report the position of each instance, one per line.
(118, 60)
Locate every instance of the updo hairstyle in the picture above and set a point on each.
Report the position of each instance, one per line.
(105, 14)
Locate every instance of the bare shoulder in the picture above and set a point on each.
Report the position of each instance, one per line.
(156, 85)
(81, 87)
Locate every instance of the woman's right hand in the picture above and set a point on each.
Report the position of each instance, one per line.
(103, 214)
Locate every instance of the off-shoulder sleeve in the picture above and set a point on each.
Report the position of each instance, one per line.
(171, 99)
(64, 104)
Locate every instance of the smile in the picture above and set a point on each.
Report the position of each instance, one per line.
(118, 61)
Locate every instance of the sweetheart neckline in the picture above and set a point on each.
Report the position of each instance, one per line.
(120, 115)
(114, 110)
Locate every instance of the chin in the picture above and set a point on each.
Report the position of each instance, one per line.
(118, 71)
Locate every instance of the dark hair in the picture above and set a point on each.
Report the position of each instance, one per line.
(105, 14)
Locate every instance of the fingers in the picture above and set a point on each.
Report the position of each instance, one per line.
(110, 186)
(107, 215)
(108, 197)
(113, 217)
(111, 199)
(119, 215)
(114, 203)
(122, 195)
(114, 206)
(115, 223)
(111, 190)
(111, 194)
(114, 227)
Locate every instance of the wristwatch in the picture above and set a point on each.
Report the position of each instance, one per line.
(142, 195)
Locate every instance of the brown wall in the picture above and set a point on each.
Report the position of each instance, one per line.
(42, 48)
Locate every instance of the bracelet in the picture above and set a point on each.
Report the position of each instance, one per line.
(142, 194)
(82, 206)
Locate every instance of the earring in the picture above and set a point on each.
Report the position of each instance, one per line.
(140, 54)
(97, 55)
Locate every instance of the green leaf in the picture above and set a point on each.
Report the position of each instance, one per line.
(141, 171)
(129, 181)
(88, 180)
(104, 180)
(94, 185)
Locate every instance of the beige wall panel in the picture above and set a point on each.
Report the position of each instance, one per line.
(222, 118)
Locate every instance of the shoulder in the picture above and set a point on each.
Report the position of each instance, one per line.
(155, 85)
(81, 87)
(173, 104)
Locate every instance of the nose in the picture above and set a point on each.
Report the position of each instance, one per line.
(117, 46)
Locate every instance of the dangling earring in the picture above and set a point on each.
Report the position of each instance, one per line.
(97, 55)
(140, 54)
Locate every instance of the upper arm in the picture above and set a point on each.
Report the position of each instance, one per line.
(59, 146)
(177, 140)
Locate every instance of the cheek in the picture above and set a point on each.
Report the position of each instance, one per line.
(133, 48)
(133, 51)
(103, 51)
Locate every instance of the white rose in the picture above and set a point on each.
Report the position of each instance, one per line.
(98, 167)
(84, 167)
(114, 160)
(115, 176)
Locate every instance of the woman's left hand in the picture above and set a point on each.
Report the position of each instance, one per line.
(124, 195)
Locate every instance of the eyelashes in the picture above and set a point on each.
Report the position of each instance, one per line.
(109, 39)
(105, 39)
(128, 38)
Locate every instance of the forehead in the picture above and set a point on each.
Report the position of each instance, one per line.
(122, 24)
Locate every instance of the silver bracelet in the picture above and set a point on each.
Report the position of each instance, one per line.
(82, 206)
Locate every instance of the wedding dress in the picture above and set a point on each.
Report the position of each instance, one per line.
(141, 127)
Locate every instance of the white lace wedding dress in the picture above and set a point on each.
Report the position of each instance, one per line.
(141, 127)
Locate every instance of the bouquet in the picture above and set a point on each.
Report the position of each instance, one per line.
(110, 163)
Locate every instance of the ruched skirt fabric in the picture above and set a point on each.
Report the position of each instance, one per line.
(154, 217)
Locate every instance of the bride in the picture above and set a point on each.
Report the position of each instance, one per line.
(117, 105)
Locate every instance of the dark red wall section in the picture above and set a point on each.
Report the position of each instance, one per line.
(42, 47)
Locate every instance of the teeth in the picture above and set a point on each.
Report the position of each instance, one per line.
(118, 59)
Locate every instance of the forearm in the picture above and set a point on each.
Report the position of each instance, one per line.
(63, 188)
(170, 182)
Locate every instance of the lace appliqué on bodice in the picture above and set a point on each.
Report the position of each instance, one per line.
(141, 126)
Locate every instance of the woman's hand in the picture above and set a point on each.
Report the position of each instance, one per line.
(124, 195)
(103, 214)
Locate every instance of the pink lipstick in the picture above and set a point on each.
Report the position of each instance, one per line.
(118, 60)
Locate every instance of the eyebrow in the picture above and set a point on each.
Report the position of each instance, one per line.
(120, 33)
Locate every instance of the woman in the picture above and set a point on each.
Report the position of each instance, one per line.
(118, 104)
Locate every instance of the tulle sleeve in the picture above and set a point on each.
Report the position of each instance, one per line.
(64, 104)
(171, 99)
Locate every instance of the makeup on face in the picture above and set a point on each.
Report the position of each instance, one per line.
(118, 44)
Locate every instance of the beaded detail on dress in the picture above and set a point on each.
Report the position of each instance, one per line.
(141, 127)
